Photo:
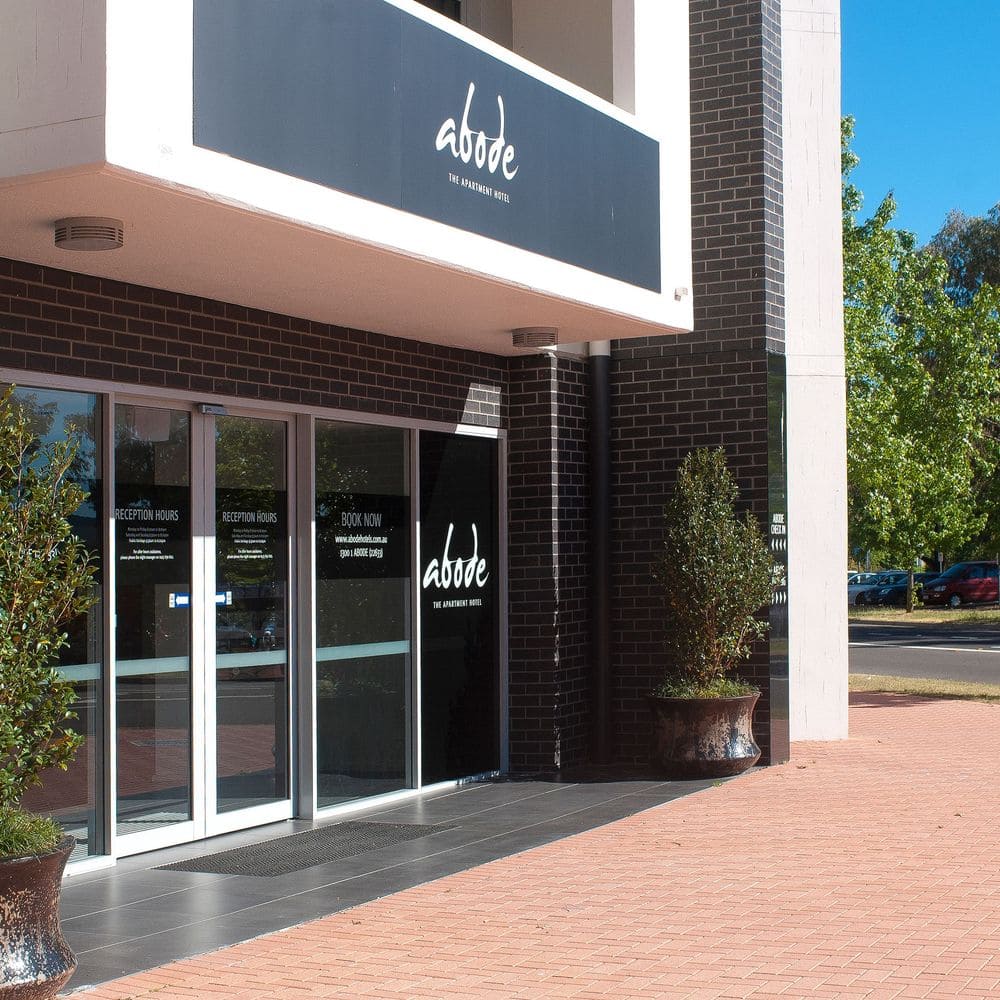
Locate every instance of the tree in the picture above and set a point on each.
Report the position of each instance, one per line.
(922, 387)
(970, 246)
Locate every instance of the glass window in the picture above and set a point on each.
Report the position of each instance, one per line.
(74, 796)
(362, 610)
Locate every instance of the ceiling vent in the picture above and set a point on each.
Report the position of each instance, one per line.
(90, 233)
(535, 338)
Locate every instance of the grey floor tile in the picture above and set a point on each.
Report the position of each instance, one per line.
(134, 917)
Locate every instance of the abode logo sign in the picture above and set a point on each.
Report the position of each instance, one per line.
(487, 152)
(457, 572)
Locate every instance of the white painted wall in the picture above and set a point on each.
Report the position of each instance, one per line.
(51, 85)
(817, 444)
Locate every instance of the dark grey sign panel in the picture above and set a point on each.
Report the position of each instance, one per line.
(459, 606)
(362, 536)
(369, 100)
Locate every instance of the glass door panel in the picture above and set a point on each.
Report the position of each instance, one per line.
(153, 616)
(362, 611)
(251, 613)
(74, 797)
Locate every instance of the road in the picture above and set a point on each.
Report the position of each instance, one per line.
(949, 652)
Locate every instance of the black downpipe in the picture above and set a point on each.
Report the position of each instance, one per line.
(600, 547)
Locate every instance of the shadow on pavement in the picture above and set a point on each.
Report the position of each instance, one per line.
(879, 699)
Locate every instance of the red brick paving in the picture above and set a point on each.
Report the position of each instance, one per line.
(866, 868)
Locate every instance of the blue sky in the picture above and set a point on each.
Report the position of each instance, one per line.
(922, 79)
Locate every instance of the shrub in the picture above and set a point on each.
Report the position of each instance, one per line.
(716, 574)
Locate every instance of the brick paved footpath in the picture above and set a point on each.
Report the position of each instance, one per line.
(864, 868)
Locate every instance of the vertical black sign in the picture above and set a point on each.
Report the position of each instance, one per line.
(777, 497)
(364, 98)
(459, 606)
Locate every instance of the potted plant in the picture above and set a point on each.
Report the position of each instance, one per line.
(716, 575)
(46, 580)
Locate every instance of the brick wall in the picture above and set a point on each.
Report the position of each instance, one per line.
(549, 563)
(573, 519)
(63, 323)
(710, 387)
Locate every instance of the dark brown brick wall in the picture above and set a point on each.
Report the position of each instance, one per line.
(574, 666)
(549, 567)
(63, 323)
(667, 402)
(707, 388)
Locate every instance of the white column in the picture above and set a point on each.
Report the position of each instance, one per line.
(817, 450)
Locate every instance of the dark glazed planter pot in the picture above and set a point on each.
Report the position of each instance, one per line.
(35, 961)
(703, 737)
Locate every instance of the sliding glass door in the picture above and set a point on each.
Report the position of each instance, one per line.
(202, 668)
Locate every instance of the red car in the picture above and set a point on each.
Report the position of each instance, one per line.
(963, 583)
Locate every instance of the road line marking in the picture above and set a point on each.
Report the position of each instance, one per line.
(939, 649)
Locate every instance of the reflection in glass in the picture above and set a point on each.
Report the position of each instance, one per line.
(153, 611)
(251, 637)
(73, 796)
(362, 610)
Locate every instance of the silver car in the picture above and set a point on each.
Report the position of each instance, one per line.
(862, 584)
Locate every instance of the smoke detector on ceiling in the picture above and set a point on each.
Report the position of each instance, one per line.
(535, 338)
(89, 232)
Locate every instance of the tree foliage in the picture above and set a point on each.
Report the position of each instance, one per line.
(970, 246)
(716, 574)
(922, 388)
(46, 580)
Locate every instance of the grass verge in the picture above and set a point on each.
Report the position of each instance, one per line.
(924, 687)
(927, 616)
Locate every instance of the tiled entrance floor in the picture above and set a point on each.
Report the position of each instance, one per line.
(134, 917)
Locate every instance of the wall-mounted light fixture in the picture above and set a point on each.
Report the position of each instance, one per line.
(535, 338)
(90, 232)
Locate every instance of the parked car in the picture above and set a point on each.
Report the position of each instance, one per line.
(894, 594)
(963, 583)
(232, 637)
(856, 582)
(857, 593)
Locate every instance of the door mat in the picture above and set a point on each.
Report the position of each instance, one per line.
(285, 855)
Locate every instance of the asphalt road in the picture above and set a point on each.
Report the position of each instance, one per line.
(949, 652)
